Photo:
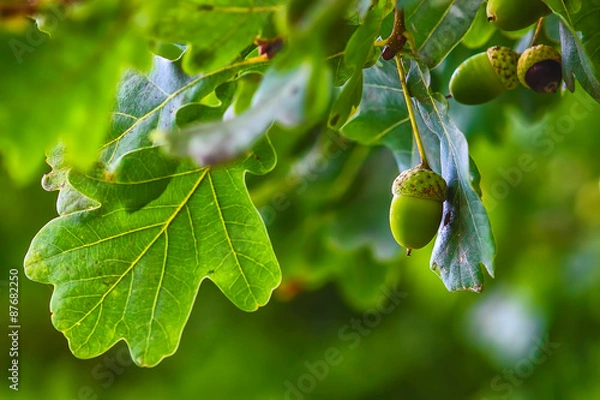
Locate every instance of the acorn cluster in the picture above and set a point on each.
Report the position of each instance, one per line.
(419, 193)
(485, 76)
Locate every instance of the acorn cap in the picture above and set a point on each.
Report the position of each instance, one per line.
(548, 62)
(422, 183)
(504, 62)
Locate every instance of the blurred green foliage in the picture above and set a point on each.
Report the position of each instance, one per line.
(534, 333)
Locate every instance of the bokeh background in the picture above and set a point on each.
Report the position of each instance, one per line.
(534, 332)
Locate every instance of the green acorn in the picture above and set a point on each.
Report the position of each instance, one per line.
(484, 76)
(512, 15)
(416, 209)
(539, 68)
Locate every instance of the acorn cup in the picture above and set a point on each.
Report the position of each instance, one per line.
(416, 209)
(539, 68)
(484, 76)
(512, 15)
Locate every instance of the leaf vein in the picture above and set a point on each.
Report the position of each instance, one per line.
(229, 241)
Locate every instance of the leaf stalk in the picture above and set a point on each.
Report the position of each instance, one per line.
(411, 113)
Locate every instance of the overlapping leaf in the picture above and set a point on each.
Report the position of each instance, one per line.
(216, 30)
(285, 97)
(129, 266)
(294, 93)
(383, 118)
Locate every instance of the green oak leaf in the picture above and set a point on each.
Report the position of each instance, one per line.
(465, 244)
(580, 43)
(290, 97)
(127, 264)
(166, 90)
(69, 199)
(358, 51)
(438, 26)
(133, 275)
(382, 118)
(465, 240)
(216, 30)
(295, 92)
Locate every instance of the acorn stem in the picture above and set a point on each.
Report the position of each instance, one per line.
(538, 31)
(411, 113)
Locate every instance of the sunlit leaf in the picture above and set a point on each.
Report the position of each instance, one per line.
(128, 266)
